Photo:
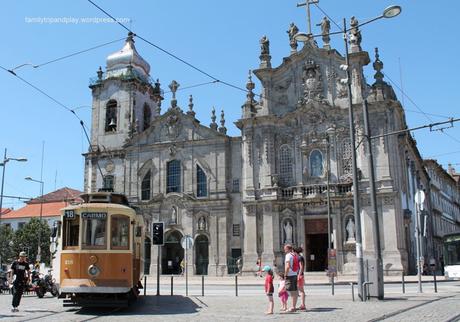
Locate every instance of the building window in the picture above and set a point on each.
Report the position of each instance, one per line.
(285, 166)
(236, 230)
(147, 116)
(316, 163)
(108, 183)
(201, 182)
(173, 176)
(111, 116)
(21, 225)
(145, 187)
(236, 185)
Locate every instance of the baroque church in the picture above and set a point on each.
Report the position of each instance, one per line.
(246, 196)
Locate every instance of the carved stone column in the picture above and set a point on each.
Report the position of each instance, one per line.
(250, 240)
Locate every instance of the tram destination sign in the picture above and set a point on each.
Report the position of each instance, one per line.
(94, 215)
(69, 214)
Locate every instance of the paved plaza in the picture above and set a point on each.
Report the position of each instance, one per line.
(221, 304)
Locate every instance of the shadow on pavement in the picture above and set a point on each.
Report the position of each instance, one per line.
(149, 305)
(324, 309)
(394, 299)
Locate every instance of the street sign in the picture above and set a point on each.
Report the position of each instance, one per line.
(332, 263)
(186, 242)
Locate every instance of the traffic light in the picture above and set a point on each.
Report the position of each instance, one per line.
(157, 233)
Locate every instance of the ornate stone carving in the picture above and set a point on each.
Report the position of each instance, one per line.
(172, 126)
(312, 82)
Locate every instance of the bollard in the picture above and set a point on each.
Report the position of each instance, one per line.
(202, 285)
(366, 290)
(145, 285)
(236, 285)
(332, 284)
(172, 285)
(435, 284)
(352, 291)
(402, 282)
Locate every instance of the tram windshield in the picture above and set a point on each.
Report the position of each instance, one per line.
(452, 250)
(120, 232)
(94, 230)
(71, 231)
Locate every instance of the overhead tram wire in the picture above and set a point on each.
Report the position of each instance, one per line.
(58, 103)
(68, 56)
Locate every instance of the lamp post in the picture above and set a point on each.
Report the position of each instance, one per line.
(329, 132)
(3, 164)
(39, 250)
(389, 12)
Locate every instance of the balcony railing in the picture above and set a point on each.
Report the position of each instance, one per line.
(315, 190)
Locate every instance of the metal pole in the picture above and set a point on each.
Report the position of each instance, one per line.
(3, 182)
(186, 271)
(145, 285)
(374, 211)
(329, 246)
(39, 252)
(417, 241)
(172, 285)
(236, 285)
(403, 283)
(352, 291)
(434, 280)
(359, 251)
(158, 270)
(202, 285)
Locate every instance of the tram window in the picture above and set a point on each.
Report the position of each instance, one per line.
(120, 232)
(94, 232)
(71, 232)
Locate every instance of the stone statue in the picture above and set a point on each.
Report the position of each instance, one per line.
(355, 34)
(288, 232)
(293, 30)
(350, 230)
(325, 30)
(174, 215)
(264, 46)
(202, 223)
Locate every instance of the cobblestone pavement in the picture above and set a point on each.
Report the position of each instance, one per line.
(428, 306)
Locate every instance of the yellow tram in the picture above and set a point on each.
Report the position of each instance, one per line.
(99, 259)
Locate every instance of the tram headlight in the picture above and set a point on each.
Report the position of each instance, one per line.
(94, 271)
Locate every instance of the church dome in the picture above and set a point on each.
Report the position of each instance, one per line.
(128, 55)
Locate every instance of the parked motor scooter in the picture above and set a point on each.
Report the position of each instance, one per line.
(46, 284)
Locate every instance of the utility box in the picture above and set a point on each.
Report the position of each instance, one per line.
(372, 275)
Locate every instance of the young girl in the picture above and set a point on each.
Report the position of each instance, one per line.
(282, 293)
(269, 288)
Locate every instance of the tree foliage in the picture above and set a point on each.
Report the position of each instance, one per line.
(26, 239)
(6, 244)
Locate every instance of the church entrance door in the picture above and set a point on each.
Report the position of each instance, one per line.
(315, 245)
(201, 255)
(172, 253)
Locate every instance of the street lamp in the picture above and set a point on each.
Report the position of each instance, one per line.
(39, 251)
(3, 164)
(389, 12)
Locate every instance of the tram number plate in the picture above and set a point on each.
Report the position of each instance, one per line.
(94, 215)
(69, 214)
(68, 262)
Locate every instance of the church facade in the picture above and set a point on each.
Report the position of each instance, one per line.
(245, 197)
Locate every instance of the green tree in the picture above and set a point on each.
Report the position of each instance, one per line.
(6, 245)
(26, 239)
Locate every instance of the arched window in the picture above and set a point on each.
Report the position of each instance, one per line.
(201, 182)
(145, 187)
(173, 174)
(316, 163)
(346, 157)
(111, 116)
(285, 166)
(147, 116)
(108, 183)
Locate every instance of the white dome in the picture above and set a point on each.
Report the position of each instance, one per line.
(128, 55)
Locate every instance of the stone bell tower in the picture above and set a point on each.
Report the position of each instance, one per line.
(125, 101)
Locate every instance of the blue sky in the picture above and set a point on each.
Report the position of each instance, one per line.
(220, 37)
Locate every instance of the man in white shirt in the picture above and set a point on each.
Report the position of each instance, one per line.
(290, 276)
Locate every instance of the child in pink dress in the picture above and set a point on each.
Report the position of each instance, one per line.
(282, 293)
